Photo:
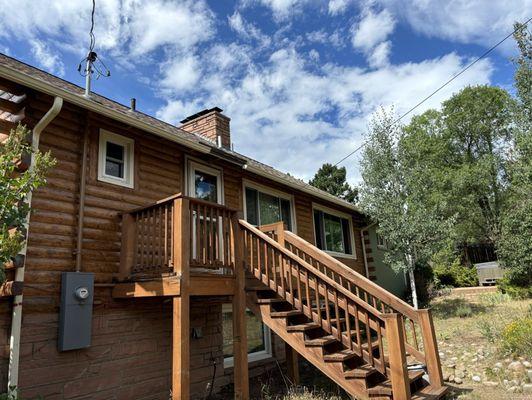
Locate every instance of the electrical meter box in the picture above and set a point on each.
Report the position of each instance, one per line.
(75, 318)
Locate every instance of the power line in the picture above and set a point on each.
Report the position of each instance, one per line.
(442, 86)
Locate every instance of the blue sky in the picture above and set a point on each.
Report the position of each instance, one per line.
(299, 79)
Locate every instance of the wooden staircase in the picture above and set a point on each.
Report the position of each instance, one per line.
(359, 335)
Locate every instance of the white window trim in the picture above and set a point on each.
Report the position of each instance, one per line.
(129, 159)
(339, 214)
(265, 189)
(192, 166)
(265, 354)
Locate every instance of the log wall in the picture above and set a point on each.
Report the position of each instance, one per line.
(131, 339)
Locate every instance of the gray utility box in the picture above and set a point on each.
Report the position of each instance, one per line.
(75, 318)
(489, 273)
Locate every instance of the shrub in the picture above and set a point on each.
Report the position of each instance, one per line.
(517, 337)
(515, 292)
(454, 274)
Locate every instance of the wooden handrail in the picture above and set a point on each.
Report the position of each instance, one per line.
(364, 283)
(309, 267)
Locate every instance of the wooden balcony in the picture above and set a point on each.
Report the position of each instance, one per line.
(174, 237)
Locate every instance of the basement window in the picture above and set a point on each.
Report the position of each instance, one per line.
(115, 159)
(258, 337)
(333, 232)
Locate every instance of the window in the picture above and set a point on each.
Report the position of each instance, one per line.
(381, 242)
(115, 159)
(267, 207)
(333, 232)
(204, 182)
(258, 336)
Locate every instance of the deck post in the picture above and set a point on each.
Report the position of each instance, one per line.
(181, 303)
(292, 364)
(240, 345)
(129, 246)
(396, 348)
(430, 345)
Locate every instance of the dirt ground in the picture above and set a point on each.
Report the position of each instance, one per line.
(475, 366)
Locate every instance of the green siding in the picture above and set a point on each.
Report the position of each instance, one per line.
(390, 280)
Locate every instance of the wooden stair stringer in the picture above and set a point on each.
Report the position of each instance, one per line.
(314, 355)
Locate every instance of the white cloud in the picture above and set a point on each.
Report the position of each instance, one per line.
(181, 74)
(369, 35)
(380, 54)
(247, 30)
(46, 58)
(372, 29)
(317, 116)
(131, 27)
(463, 21)
(281, 9)
(338, 6)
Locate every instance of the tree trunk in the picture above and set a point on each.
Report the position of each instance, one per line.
(412, 281)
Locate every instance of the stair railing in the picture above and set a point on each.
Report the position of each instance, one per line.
(358, 325)
(415, 323)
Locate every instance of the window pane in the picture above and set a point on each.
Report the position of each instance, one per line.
(318, 229)
(114, 168)
(270, 210)
(206, 187)
(115, 151)
(286, 216)
(333, 233)
(347, 236)
(252, 206)
(255, 332)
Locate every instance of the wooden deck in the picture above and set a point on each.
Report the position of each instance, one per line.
(354, 331)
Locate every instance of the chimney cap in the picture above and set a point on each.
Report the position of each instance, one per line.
(200, 113)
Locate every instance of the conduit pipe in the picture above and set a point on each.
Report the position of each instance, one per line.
(16, 320)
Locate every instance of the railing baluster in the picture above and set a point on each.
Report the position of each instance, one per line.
(307, 294)
(348, 323)
(368, 338)
(317, 294)
(327, 308)
(337, 313)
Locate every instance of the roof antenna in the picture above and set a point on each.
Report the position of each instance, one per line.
(92, 62)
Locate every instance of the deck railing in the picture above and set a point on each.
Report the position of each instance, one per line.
(151, 236)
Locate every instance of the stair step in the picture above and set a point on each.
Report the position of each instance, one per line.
(339, 356)
(361, 372)
(270, 301)
(385, 388)
(284, 314)
(322, 341)
(302, 327)
(429, 393)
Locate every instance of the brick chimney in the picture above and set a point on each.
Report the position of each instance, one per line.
(211, 124)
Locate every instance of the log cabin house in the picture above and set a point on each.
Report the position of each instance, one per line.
(157, 258)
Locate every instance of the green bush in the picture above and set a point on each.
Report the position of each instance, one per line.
(515, 292)
(454, 274)
(517, 337)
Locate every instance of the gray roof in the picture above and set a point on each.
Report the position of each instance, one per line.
(35, 78)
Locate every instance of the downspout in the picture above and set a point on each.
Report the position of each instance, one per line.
(82, 185)
(16, 321)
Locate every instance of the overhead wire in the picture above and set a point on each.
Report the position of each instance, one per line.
(524, 25)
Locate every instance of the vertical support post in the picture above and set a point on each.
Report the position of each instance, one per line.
(181, 303)
(292, 365)
(129, 246)
(240, 345)
(430, 345)
(396, 348)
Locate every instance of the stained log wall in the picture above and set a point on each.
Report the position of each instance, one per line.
(130, 351)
